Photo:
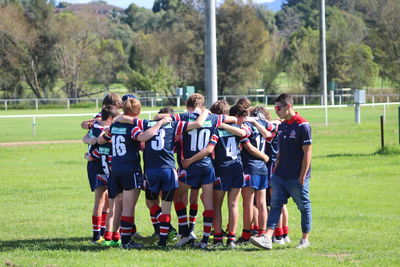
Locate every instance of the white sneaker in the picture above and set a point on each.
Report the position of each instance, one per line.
(287, 240)
(261, 242)
(304, 243)
(278, 241)
(200, 245)
(184, 240)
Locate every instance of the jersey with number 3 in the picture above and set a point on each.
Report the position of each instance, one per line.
(197, 139)
(227, 152)
(125, 148)
(159, 150)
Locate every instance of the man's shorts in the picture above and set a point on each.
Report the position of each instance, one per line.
(182, 178)
(198, 176)
(125, 181)
(161, 179)
(94, 169)
(258, 182)
(226, 183)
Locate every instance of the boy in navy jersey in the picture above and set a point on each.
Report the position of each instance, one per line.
(126, 170)
(292, 173)
(99, 171)
(228, 168)
(256, 176)
(200, 173)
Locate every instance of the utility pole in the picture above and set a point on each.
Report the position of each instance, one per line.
(322, 58)
(211, 54)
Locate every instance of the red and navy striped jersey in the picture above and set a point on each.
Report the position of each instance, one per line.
(252, 164)
(292, 134)
(159, 150)
(227, 152)
(125, 147)
(195, 140)
(101, 153)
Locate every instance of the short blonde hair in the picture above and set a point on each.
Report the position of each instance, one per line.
(132, 107)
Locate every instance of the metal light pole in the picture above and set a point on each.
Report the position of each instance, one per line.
(210, 54)
(322, 57)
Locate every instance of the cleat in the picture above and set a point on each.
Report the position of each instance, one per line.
(217, 243)
(261, 242)
(254, 233)
(137, 235)
(200, 245)
(172, 234)
(186, 240)
(287, 240)
(98, 241)
(114, 243)
(106, 243)
(155, 235)
(231, 244)
(278, 241)
(304, 243)
(131, 245)
(242, 241)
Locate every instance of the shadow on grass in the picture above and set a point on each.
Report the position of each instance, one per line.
(71, 244)
(386, 150)
(83, 244)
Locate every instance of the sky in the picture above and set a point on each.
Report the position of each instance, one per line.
(142, 3)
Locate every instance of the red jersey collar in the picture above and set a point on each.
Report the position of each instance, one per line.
(293, 119)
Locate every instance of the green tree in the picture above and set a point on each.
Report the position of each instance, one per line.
(29, 42)
(242, 41)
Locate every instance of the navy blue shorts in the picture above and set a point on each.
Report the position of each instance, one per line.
(125, 181)
(226, 183)
(198, 176)
(96, 175)
(258, 182)
(161, 179)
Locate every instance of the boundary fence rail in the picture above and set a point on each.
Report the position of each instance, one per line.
(304, 100)
(149, 113)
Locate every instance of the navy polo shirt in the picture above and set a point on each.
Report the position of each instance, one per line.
(292, 134)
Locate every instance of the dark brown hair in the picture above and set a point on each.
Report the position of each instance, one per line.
(220, 107)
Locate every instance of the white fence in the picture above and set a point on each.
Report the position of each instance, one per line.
(150, 113)
(178, 101)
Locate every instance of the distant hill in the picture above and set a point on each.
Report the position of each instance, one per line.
(93, 8)
(274, 6)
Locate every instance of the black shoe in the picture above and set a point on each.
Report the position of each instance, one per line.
(242, 241)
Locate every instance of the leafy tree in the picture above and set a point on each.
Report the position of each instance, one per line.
(242, 41)
(29, 42)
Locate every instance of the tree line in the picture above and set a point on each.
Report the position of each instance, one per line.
(43, 46)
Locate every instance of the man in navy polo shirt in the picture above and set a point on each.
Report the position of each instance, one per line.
(292, 173)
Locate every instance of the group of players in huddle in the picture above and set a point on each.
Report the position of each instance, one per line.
(222, 150)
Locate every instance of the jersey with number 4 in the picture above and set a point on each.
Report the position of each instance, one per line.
(197, 139)
(101, 153)
(125, 147)
(252, 164)
(227, 152)
(159, 150)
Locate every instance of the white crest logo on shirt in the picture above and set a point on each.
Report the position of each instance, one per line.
(292, 134)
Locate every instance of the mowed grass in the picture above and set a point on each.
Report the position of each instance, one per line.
(46, 202)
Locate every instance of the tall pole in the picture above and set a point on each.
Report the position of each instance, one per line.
(211, 54)
(322, 58)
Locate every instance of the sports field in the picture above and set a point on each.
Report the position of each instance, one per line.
(45, 200)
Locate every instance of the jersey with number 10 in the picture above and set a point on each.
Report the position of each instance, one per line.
(227, 153)
(197, 139)
(125, 148)
(159, 150)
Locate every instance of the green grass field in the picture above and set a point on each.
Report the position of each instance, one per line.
(46, 202)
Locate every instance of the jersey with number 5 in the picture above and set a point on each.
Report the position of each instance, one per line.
(197, 139)
(125, 148)
(101, 153)
(159, 150)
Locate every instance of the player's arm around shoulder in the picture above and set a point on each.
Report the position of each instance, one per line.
(198, 123)
(233, 130)
(149, 133)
